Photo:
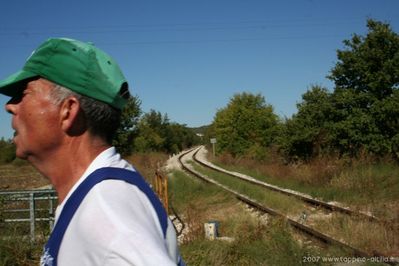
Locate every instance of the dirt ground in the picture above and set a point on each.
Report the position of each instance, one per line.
(21, 177)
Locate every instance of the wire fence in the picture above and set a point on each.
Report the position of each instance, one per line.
(27, 213)
(30, 213)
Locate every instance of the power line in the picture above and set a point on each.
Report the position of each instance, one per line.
(177, 27)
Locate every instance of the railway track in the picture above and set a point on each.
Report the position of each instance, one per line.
(302, 197)
(295, 224)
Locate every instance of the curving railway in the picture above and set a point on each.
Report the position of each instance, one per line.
(261, 207)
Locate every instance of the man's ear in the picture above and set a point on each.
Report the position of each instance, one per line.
(70, 116)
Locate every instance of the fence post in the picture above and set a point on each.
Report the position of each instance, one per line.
(165, 195)
(50, 211)
(32, 215)
(161, 188)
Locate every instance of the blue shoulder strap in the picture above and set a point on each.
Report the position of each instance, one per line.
(53, 245)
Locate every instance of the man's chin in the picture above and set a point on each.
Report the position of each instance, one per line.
(21, 155)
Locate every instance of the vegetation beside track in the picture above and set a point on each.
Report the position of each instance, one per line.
(362, 186)
(257, 240)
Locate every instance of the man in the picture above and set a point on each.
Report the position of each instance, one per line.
(66, 105)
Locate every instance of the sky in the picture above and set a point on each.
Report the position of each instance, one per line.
(189, 58)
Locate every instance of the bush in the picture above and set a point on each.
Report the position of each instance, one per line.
(7, 151)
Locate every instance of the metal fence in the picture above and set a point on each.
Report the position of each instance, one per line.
(30, 211)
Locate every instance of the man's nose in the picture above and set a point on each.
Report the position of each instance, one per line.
(13, 103)
(10, 107)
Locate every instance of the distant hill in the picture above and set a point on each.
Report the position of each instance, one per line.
(200, 130)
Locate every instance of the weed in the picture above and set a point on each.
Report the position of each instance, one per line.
(16, 250)
(364, 184)
(255, 242)
(147, 163)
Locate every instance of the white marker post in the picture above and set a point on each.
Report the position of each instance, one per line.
(213, 141)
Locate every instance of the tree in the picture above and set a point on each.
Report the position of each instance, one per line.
(246, 125)
(156, 133)
(369, 64)
(365, 98)
(128, 129)
(306, 133)
(150, 132)
(179, 137)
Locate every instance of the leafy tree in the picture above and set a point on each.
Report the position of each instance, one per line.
(179, 137)
(246, 125)
(365, 99)
(156, 133)
(362, 113)
(151, 129)
(369, 64)
(128, 129)
(306, 133)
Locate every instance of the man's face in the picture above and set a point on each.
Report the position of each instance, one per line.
(35, 119)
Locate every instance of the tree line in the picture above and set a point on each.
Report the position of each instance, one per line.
(151, 131)
(138, 132)
(360, 115)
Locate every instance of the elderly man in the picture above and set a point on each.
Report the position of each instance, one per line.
(66, 106)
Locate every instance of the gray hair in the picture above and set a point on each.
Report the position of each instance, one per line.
(101, 119)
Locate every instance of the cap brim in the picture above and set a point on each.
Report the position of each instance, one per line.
(12, 85)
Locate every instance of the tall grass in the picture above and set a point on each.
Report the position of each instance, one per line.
(362, 183)
(283, 203)
(256, 241)
(148, 163)
(16, 250)
(369, 236)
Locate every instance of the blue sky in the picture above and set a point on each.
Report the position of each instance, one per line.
(188, 58)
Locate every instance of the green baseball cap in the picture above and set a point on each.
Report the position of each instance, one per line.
(78, 66)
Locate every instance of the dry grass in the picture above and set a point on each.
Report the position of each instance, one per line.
(148, 163)
(365, 235)
(19, 176)
(364, 184)
(253, 241)
(318, 171)
(280, 202)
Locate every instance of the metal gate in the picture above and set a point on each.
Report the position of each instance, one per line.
(27, 213)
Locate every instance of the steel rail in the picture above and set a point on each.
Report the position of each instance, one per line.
(301, 227)
(307, 199)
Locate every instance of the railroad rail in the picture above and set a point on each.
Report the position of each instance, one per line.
(301, 227)
(300, 196)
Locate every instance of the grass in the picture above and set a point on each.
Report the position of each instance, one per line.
(147, 163)
(353, 231)
(256, 241)
(20, 175)
(256, 245)
(363, 184)
(366, 235)
(284, 204)
(20, 251)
